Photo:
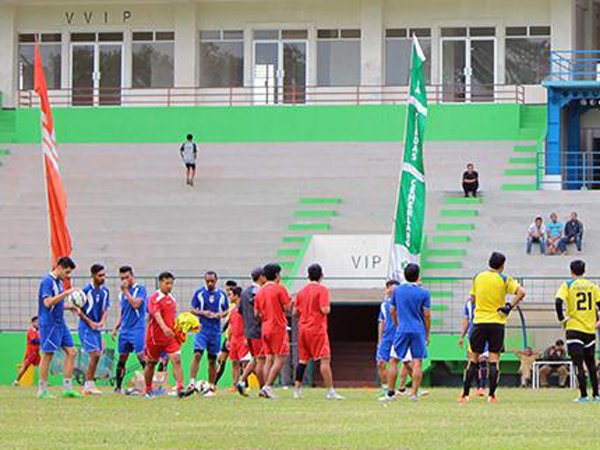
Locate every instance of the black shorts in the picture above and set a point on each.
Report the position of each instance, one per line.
(190, 165)
(490, 335)
(580, 343)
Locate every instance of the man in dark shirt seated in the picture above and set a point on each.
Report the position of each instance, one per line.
(573, 234)
(470, 181)
(555, 352)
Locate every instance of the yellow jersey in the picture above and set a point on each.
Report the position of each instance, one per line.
(490, 289)
(580, 296)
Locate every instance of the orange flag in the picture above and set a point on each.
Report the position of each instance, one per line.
(60, 239)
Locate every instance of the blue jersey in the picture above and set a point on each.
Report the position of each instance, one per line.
(97, 302)
(389, 328)
(50, 287)
(214, 301)
(131, 318)
(469, 314)
(409, 300)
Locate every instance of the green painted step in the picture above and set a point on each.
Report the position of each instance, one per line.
(455, 226)
(445, 252)
(440, 280)
(439, 307)
(320, 200)
(307, 213)
(294, 239)
(4, 152)
(449, 265)
(437, 321)
(293, 252)
(463, 200)
(309, 227)
(441, 294)
(459, 213)
(447, 239)
(286, 265)
(520, 172)
(519, 187)
(522, 160)
(525, 149)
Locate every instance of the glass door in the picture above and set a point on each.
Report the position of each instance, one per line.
(454, 70)
(294, 72)
(110, 63)
(481, 73)
(83, 74)
(266, 65)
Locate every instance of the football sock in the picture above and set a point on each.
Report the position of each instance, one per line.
(590, 362)
(300, 368)
(42, 386)
(494, 378)
(179, 386)
(120, 373)
(483, 375)
(470, 374)
(220, 371)
(384, 387)
(67, 384)
(580, 371)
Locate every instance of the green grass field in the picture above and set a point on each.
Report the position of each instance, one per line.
(524, 419)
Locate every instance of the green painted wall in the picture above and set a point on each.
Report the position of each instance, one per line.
(12, 349)
(266, 123)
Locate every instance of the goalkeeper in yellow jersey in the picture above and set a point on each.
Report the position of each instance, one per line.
(582, 300)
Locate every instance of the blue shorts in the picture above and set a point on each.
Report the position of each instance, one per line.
(211, 342)
(384, 350)
(54, 337)
(132, 341)
(415, 342)
(91, 340)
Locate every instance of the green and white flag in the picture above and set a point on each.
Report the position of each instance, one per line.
(410, 206)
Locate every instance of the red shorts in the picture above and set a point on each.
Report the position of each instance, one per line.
(313, 346)
(276, 344)
(32, 360)
(238, 349)
(255, 347)
(154, 349)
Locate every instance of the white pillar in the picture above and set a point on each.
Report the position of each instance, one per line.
(8, 55)
(186, 45)
(371, 49)
(563, 17)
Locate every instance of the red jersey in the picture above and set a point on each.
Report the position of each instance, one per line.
(236, 325)
(167, 307)
(33, 342)
(309, 302)
(270, 301)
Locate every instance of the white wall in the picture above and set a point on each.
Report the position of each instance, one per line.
(8, 72)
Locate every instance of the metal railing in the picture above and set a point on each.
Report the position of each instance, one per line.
(574, 65)
(579, 170)
(535, 321)
(272, 95)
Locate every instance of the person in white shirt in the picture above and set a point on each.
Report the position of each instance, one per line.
(189, 152)
(537, 234)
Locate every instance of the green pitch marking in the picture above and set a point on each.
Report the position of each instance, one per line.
(455, 226)
(320, 200)
(519, 187)
(445, 252)
(447, 239)
(520, 172)
(310, 213)
(459, 213)
(525, 149)
(522, 160)
(309, 227)
(463, 200)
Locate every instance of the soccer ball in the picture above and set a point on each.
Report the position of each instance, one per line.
(77, 298)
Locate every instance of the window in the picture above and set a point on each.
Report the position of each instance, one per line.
(398, 46)
(527, 54)
(221, 58)
(153, 63)
(51, 52)
(338, 57)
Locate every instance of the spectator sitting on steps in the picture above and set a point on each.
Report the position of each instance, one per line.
(554, 233)
(555, 352)
(573, 234)
(527, 357)
(536, 234)
(470, 181)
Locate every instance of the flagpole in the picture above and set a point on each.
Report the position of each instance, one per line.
(394, 225)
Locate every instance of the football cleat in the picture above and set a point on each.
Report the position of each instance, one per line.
(463, 399)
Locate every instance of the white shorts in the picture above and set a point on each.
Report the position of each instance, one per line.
(407, 358)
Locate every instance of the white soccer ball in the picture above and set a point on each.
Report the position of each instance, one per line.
(78, 298)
